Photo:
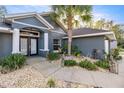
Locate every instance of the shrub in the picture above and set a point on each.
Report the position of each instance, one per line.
(115, 54)
(53, 56)
(70, 62)
(103, 64)
(65, 48)
(88, 65)
(51, 83)
(74, 50)
(13, 62)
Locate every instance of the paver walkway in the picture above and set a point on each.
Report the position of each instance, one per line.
(79, 75)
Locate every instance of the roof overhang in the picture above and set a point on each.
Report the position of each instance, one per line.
(9, 18)
(26, 15)
(110, 35)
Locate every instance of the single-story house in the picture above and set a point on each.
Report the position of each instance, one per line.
(36, 34)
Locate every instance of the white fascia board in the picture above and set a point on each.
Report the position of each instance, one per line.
(111, 36)
(45, 22)
(20, 15)
(96, 34)
(4, 28)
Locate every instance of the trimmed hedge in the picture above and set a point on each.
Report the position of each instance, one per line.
(53, 56)
(70, 63)
(103, 64)
(88, 65)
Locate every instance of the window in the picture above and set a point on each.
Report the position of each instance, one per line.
(30, 33)
(56, 44)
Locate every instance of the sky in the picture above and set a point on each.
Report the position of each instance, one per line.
(109, 12)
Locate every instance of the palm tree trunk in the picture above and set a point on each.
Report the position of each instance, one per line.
(69, 23)
(69, 41)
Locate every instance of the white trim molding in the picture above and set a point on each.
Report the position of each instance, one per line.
(44, 21)
(5, 30)
(15, 41)
(106, 45)
(46, 42)
(95, 34)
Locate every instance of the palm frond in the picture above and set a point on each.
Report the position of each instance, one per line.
(76, 23)
(86, 18)
(64, 11)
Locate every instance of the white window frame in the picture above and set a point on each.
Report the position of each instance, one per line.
(29, 35)
(56, 44)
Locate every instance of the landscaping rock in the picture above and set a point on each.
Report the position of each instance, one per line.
(28, 77)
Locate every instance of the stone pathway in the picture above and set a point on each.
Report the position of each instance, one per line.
(80, 75)
(43, 66)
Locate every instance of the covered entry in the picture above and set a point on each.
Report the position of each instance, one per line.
(29, 41)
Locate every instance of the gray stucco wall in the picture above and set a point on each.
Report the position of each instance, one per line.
(86, 45)
(5, 44)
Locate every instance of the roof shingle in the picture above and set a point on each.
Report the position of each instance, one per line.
(84, 31)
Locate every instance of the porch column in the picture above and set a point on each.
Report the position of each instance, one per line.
(46, 42)
(15, 41)
(106, 42)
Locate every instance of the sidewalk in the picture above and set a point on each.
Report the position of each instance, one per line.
(80, 75)
(95, 78)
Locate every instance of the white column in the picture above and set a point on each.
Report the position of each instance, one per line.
(106, 42)
(15, 41)
(46, 42)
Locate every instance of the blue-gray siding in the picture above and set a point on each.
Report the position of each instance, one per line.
(32, 21)
(86, 45)
(5, 44)
(51, 36)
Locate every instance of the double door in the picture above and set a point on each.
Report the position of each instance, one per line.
(28, 46)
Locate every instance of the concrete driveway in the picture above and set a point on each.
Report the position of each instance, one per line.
(79, 75)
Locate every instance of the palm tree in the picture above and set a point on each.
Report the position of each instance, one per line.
(100, 24)
(117, 30)
(71, 16)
